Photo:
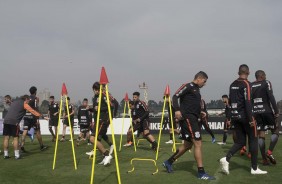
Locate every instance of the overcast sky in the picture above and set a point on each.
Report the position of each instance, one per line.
(46, 43)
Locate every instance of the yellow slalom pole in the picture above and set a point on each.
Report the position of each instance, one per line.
(73, 151)
(171, 121)
(57, 138)
(124, 109)
(133, 137)
(96, 135)
(113, 133)
(161, 128)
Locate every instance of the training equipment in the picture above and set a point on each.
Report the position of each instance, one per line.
(104, 83)
(126, 107)
(64, 95)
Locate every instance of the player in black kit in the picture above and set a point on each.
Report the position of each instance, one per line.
(265, 111)
(84, 117)
(242, 118)
(66, 120)
(53, 113)
(188, 113)
(204, 119)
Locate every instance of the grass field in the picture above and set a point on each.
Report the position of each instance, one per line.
(36, 166)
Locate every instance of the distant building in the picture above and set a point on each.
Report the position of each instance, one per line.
(43, 95)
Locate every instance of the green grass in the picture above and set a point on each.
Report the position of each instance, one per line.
(36, 166)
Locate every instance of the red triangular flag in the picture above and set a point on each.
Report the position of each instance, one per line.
(103, 77)
(126, 97)
(167, 91)
(64, 90)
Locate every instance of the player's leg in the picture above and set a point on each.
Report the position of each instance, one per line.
(261, 137)
(26, 128)
(51, 124)
(64, 131)
(15, 133)
(274, 138)
(146, 134)
(6, 134)
(135, 127)
(207, 128)
(39, 137)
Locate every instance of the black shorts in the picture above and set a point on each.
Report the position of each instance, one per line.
(167, 121)
(11, 130)
(141, 126)
(84, 127)
(66, 122)
(53, 122)
(265, 121)
(102, 131)
(31, 123)
(190, 128)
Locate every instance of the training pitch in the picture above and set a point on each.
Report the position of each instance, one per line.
(36, 166)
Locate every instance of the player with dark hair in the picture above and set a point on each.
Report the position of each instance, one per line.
(204, 119)
(66, 119)
(11, 123)
(53, 113)
(243, 121)
(84, 117)
(104, 122)
(140, 118)
(31, 121)
(265, 111)
(227, 122)
(188, 113)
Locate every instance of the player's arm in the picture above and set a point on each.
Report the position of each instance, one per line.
(79, 114)
(116, 105)
(271, 97)
(175, 99)
(33, 112)
(72, 112)
(248, 103)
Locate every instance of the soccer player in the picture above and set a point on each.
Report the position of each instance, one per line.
(242, 118)
(7, 105)
(227, 122)
(11, 123)
(53, 113)
(204, 119)
(66, 119)
(140, 118)
(265, 111)
(188, 114)
(104, 123)
(84, 117)
(168, 121)
(31, 121)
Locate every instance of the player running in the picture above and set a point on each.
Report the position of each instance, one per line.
(188, 114)
(140, 120)
(265, 112)
(53, 113)
(104, 123)
(204, 119)
(66, 119)
(84, 117)
(31, 121)
(11, 123)
(243, 121)
(227, 122)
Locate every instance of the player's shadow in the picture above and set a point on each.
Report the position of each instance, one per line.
(185, 166)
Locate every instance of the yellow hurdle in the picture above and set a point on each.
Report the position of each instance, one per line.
(143, 159)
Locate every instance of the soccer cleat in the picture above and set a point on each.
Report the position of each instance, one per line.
(265, 162)
(213, 140)
(168, 166)
(128, 144)
(89, 144)
(224, 165)
(103, 161)
(111, 149)
(243, 151)
(42, 148)
(258, 171)
(23, 150)
(90, 153)
(271, 158)
(19, 157)
(205, 176)
(221, 143)
(107, 160)
(62, 140)
(7, 157)
(169, 142)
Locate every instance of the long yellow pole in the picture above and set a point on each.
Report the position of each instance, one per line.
(96, 136)
(57, 138)
(130, 118)
(161, 128)
(71, 135)
(171, 121)
(123, 116)
(113, 134)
